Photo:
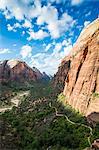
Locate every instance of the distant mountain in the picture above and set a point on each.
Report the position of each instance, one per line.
(46, 77)
(79, 73)
(19, 71)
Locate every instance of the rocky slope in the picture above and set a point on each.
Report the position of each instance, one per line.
(46, 77)
(15, 70)
(81, 76)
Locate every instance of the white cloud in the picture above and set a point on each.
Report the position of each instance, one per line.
(66, 42)
(76, 2)
(86, 23)
(13, 8)
(62, 25)
(47, 47)
(56, 26)
(18, 13)
(57, 1)
(26, 51)
(49, 15)
(27, 1)
(17, 25)
(54, 30)
(7, 14)
(50, 62)
(11, 28)
(46, 15)
(39, 35)
(67, 50)
(23, 32)
(27, 24)
(58, 47)
(4, 51)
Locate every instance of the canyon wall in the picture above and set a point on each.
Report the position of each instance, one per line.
(81, 79)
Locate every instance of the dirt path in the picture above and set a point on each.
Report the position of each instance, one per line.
(74, 123)
(15, 101)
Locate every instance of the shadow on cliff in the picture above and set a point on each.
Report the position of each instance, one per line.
(93, 118)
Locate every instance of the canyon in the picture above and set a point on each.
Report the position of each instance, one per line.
(79, 73)
(38, 116)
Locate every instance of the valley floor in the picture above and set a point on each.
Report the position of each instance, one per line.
(15, 101)
(41, 122)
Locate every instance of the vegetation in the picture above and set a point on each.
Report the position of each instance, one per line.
(6, 94)
(35, 126)
(96, 95)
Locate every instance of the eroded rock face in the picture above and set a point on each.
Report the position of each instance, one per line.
(95, 144)
(4, 71)
(61, 75)
(45, 77)
(82, 79)
(15, 70)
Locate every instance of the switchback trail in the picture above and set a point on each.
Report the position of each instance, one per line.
(62, 115)
(74, 123)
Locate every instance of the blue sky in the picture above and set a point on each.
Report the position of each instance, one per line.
(42, 32)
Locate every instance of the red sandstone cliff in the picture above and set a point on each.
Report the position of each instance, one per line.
(15, 70)
(82, 77)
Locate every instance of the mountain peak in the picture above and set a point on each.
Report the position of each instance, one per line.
(13, 62)
(17, 70)
(85, 36)
(89, 30)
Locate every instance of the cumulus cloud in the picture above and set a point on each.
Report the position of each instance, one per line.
(4, 51)
(49, 62)
(76, 2)
(56, 26)
(11, 28)
(47, 47)
(27, 24)
(47, 15)
(13, 9)
(58, 47)
(60, 26)
(20, 9)
(67, 50)
(26, 51)
(23, 33)
(39, 35)
(86, 23)
(14, 27)
(66, 42)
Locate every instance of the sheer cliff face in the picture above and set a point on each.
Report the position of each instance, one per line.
(61, 75)
(14, 70)
(82, 79)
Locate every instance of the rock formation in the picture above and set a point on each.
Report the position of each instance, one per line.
(45, 77)
(15, 70)
(81, 76)
(61, 75)
(95, 144)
